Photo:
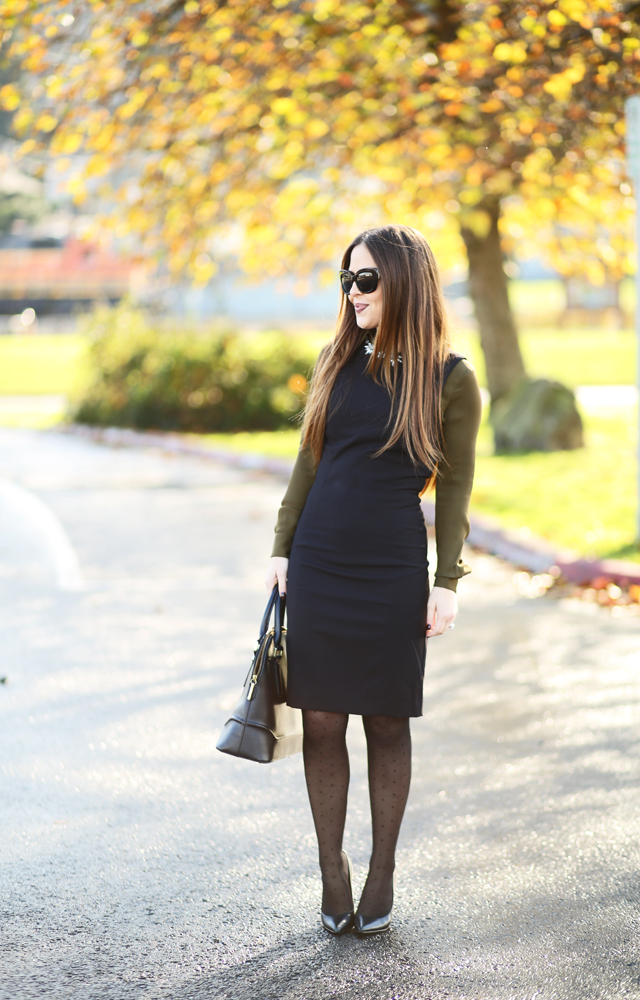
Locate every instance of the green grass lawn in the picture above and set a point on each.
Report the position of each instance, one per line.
(584, 499)
(32, 365)
(35, 420)
(272, 444)
(574, 357)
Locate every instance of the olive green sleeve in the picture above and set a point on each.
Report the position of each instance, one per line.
(462, 410)
(302, 479)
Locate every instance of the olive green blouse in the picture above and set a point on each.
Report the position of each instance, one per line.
(461, 412)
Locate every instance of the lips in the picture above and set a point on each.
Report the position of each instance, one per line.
(361, 306)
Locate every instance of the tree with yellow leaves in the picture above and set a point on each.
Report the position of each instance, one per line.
(278, 128)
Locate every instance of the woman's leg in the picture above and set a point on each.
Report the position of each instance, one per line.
(326, 768)
(389, 753)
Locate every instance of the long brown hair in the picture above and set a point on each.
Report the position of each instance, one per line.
(412, 325)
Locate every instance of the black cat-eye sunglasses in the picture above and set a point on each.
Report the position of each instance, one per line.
(366, 280)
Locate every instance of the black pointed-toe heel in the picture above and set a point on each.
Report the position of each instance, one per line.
(373, 925)
(344, 921)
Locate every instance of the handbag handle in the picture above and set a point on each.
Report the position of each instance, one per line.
(267, 614)
(279, 602)
(279, 619)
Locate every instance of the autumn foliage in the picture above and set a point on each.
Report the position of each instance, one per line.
(260, 127)
(272, 131)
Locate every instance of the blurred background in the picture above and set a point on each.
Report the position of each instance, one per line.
(177, 182)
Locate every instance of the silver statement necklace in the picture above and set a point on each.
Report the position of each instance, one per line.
(368, 349)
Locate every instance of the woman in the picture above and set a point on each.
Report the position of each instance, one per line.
(389, 410)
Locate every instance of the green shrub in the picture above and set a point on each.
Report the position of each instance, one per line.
(147, 376)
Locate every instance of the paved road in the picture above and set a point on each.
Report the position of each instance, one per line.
(137, 862)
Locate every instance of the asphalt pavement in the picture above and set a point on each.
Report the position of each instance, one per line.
(138, 862)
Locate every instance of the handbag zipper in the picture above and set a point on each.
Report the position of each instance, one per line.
(254, 681)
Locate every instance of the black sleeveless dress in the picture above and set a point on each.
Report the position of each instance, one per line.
(357, 583)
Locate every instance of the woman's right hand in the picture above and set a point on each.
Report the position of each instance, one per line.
(277, 573)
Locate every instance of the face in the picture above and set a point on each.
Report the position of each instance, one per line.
(368, 307)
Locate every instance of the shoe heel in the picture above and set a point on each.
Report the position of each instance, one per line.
(375, 925)
(344, 921)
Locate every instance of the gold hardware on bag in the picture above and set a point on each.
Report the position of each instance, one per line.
(254, 681)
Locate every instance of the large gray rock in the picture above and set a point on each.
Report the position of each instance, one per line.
(537, 415)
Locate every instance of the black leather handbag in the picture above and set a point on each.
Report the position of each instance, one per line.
(262, 727)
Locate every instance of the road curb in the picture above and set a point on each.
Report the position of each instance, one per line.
(533, 554)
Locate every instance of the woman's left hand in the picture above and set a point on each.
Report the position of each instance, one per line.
(441, 610)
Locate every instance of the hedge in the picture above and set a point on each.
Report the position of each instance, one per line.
(148, 376)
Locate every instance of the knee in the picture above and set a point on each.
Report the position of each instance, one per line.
(321, 727)
(386, 729)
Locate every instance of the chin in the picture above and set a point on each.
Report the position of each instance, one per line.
(364, 323)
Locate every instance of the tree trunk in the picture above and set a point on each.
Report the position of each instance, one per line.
(526, 414)
(488, 289)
